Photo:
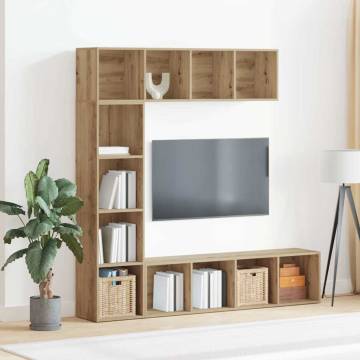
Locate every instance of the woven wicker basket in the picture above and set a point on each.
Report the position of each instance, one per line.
(252, 286)
(117, 297)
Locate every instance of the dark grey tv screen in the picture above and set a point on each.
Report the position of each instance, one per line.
(209, 178)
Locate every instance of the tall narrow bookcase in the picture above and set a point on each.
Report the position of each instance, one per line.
(110, 98)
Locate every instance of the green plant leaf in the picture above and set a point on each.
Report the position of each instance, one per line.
(30, 182)
(10, 208)
(75, 246)
(42, 168)
(69, 205)
(47, 189)
(66, 188)
(43, 205)
(14, 233)
(66, 228)
(39, 260)
(16, 255)
(54, 217)
(35, 228)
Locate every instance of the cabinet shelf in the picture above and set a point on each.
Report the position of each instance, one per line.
(120, 264)
(115, 157)
(117, 211)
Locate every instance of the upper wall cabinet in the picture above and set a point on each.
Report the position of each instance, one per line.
(121, 74)
(195, 74)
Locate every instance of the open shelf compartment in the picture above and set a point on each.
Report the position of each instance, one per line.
(131, 217)
(256, 74)
(228, 266)
(122, 125)
(175, 62)
(138, 271)
(125, 164)
(121, 74)
(212, 74)
(310, 267)
(272, 264)
(151, 270)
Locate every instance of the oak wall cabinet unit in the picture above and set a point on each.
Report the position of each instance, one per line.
(110, 97)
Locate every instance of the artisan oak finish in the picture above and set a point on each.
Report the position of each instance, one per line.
(110, 112)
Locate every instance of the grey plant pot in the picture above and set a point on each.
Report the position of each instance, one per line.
(45, 313)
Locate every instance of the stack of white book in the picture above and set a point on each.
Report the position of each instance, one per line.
(208, 288)
(117, 243)
(113, 150)
(168, 292)
(118, 190)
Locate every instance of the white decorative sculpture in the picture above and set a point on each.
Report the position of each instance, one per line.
(157, 91)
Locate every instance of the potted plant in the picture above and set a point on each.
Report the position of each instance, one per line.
(50, 223)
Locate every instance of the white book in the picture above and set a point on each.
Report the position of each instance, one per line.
(161, 292)
(121, 241)
(198, 286)
(131, 242)
(108, 188)
(179, 290)
(220, 288)
(214, 287)
(170, 293)
(109, 244)
(131, 189)
(101, 249)
(121, 192)
(113, 150)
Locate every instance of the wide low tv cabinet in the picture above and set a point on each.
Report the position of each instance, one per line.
(110, 99)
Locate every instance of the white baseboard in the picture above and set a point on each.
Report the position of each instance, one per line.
(20, 313)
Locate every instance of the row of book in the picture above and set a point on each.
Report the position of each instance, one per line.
(168, 291)
(117, 243)
(118, 190)
(208, 288)
(113, 150)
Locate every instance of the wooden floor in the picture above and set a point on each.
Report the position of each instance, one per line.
(16, 332)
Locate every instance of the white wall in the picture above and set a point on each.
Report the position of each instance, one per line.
(311, 36)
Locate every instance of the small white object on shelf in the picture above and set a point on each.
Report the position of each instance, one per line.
(157, 91)
(113, 150)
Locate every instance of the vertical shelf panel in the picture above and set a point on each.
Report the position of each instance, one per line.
(212, 74)
(175, 62)
(256, 74)
(87, 180)
(121, 74)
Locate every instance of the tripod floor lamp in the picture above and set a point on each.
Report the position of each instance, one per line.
(341, 167)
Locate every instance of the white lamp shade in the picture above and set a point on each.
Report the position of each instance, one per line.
(341, 166)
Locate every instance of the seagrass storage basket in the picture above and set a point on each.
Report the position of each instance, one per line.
(252, 286)
(117, 297)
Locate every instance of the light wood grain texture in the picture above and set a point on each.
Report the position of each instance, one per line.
(121, 74)
(122, 125)
(115, 211)
(177, 63)
(86, 179)
(230, 256)
(212, 75)
(256, 74)
(292, 281)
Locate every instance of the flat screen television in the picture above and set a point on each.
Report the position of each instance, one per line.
(209, 178)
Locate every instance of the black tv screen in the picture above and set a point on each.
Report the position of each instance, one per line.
(209, 178)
